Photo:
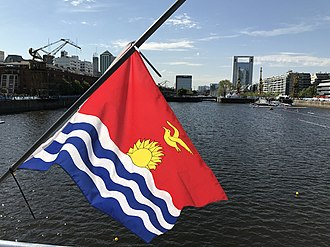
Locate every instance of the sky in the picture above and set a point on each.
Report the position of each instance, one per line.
(199, 39)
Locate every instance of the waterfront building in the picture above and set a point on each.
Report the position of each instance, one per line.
(287, 84)
(297, 82)
(204, 90)
(37, 78)
(2, 56)
(24, 77)
(86, 67)
(317, 78)
(106, 58)
(275, 84)
(9, 83)
(183, 82)
(73, 64)
(13, 59)
(243, 70)
(323, 88)
(64, 61)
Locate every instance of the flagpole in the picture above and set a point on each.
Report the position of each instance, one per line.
(129, 51)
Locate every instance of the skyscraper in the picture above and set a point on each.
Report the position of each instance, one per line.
(183, 82)
(95, 65)
(243, 70)
(106, 58)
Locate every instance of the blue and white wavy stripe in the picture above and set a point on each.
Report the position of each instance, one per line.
(107, 177)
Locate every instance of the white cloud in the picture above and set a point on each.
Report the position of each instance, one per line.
(326, 18)
(291, 29)
(217, 37)
(159, 46)
(85, 23)
(84, 6)
(79, 2)
(183, 22)
(136, 19)
(292, 59)
(119, 44)
(68, 22)
(88, 23)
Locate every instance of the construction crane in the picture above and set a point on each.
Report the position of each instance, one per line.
(163, 83)
(48, 57)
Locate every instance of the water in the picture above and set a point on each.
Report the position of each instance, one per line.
(261, 157)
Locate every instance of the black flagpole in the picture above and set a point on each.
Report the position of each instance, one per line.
(129, 51)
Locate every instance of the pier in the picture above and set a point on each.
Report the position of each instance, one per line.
(24, 105)
(312, 103)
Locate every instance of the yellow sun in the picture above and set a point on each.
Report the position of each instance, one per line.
(146, 154)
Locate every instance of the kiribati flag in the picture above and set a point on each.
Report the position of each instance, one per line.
(129, 154)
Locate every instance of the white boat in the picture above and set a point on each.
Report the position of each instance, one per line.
(1, 122)
(274, 103)
(284, 99)
(261, 102)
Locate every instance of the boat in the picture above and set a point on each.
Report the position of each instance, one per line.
(274, 103)
(183, 99)
(262, 102)
(285, 99)
(236, 98)
(1, 122)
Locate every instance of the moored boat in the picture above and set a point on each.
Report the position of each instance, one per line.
(236, 98)
(284, 99)
(262, 102)
(183, 99)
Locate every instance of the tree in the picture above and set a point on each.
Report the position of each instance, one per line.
(224, 87)
(309, 92)
(182, 91)
(4, 91)
(77, 87)
(85, 85)
(65, 88)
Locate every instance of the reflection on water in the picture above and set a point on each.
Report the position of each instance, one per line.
(261, 157)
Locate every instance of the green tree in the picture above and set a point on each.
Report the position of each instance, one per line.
(65, 88)
(182, 91)
(224, 87)
(309, 92)
(85, 85)
(77, 87)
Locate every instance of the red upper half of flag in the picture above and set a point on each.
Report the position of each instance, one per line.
(130, 104)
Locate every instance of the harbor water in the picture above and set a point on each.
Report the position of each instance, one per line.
(273, 164)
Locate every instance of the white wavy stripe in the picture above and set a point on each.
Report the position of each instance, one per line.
(99, 183)
(110, 167)
(107, 143)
